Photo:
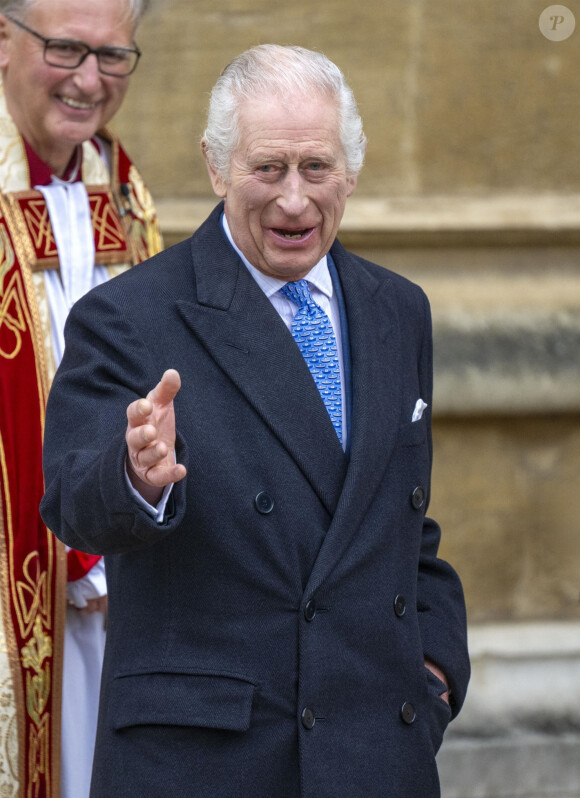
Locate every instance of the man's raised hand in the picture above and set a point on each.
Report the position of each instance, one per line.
(150, 439)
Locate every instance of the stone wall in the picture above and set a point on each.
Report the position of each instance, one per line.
(459, 97)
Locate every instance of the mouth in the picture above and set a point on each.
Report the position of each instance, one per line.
(292, 235)
(77, 104)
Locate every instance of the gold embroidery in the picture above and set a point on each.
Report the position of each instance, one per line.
(37, 220)
(38, 758)
(12, 316)
(142, 202)
(44, 331)
(31, 602)
(12, 696)
(145, 232)
(27, 218)
(7, 257)
(11, 313)
(109, 235)
(32, 594)
(34, 653)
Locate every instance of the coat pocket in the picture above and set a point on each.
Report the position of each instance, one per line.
(440, 710)
(413, 433)
(181, 699)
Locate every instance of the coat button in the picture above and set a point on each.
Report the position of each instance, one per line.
(408, 713)
(400, 605)
(264, 503)
(310, 610)
(308, 719)
(418, 497)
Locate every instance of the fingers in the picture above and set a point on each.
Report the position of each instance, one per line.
(179, 471)
(150, 434)
(142, 441)
(138, 412)
(166, 389)
(157, 399)
(146, 452)
(162, 474)
(99, 604)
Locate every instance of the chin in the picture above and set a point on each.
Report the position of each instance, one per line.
(76, 134)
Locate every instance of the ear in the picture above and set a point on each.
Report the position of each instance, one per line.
(219, 185)
(5, 32)
(351, 184)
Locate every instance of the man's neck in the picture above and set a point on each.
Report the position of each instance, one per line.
(41, 172)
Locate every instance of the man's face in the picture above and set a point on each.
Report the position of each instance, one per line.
(56, 109)
(287, 186)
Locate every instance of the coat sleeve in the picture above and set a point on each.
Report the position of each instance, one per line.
(106, 366)
(440, 599)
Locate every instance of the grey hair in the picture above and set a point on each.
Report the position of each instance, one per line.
(280, 70)
(20, 8)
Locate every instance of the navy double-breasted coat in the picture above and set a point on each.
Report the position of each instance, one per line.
(267, 639)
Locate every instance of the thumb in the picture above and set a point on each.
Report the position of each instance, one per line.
(167, 388)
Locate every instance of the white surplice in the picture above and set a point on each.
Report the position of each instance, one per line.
(84, 638)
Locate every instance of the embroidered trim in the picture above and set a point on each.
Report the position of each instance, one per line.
(28, 220)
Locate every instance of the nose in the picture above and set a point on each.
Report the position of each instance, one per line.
(87, 76)
(293, 198)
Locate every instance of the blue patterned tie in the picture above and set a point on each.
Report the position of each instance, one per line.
(312, 331)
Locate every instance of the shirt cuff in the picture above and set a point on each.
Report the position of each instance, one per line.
(158, 512)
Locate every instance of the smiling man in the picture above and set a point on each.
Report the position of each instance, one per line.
(73, 212)
(248, 440)
(287, 183)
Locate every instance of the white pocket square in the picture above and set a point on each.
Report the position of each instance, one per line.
(418, 411)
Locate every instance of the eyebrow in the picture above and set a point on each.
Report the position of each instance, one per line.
(279, 157)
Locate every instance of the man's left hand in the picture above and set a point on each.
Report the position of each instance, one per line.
(99, 604)
(436, 671)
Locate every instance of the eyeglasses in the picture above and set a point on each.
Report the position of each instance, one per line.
(117, 62)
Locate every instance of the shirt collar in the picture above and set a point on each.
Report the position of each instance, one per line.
(318, 276)
(42, 175)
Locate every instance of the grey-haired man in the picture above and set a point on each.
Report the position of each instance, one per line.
(250, 445)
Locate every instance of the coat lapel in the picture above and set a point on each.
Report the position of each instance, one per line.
(375, 365)
(239, 328)
(376, 401)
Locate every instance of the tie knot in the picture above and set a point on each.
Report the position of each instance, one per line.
(298, 292)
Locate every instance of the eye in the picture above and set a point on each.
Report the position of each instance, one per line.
(268, 171)
(111, 56)
(315, 167)
(64, 49)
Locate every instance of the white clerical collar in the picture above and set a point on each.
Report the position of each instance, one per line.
(318, 276)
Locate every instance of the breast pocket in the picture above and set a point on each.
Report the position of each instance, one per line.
(181, 699)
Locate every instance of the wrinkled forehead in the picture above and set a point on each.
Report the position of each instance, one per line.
(291, 126)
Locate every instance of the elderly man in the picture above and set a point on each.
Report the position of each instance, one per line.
(73, 211)
(280, 623)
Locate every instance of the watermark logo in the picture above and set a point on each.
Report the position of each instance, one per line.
(557, 23)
